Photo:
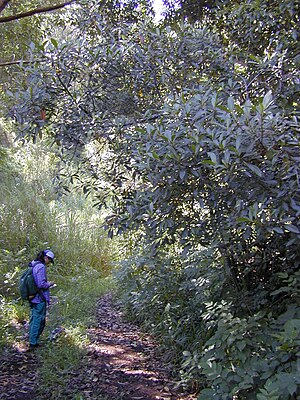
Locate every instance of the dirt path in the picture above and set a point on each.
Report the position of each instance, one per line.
(122, 363)
(17, 375)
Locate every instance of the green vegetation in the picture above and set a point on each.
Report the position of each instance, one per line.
(74, 313)
(34, 215)
(184, 136)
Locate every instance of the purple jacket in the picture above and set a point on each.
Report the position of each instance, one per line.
(40, 277)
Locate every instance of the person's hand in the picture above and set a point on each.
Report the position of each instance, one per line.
(52, 284)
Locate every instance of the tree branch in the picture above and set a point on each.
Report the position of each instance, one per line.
(33, 12)
(8, 63)
(3, 4)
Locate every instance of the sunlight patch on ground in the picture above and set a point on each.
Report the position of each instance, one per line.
(141, 372)
(108, 349)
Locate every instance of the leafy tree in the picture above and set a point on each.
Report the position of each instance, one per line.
(19, 29)
(130, 85)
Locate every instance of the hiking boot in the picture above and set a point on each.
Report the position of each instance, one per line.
(33, 346)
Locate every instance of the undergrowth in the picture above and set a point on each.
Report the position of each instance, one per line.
(71, 314)
(64, 340)
(227, 343)
(34, 215)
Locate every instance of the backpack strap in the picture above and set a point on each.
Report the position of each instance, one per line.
(40, 291)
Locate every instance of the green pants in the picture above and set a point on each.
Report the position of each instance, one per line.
(37, 321)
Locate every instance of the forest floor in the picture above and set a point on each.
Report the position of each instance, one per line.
(122, 363)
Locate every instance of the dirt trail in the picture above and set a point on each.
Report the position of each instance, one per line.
(122, 364)
(17, 375)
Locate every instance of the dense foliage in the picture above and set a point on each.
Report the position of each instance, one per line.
(189, 133)
(34, 215)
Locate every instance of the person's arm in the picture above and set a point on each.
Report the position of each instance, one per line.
(41, 277)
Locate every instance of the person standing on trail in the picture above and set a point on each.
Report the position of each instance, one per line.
(38, 303)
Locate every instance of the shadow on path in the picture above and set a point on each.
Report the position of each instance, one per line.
(122, 361)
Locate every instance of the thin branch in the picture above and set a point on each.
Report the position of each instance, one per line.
(3, 4)
(66, 89)
(35, 11)
(7, 63)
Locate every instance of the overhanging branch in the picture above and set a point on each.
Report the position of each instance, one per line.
(34, 11)
(3, 4)
(8, 63)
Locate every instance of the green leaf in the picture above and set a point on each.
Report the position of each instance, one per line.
(182, 174)
(244, 219)
(292, 326)
(254, 169)
(241, 345)
(284, 289)
(208, 162)
(238, 143)
(168, 136)
(212, 156)
(214, 100)
(187, 362)
(267, 100)
(291, 228)
(54, 42)
(206, 394)
(227, 156)
(230, 103)
(277, 229)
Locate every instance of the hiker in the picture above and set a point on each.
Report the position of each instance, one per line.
(38, 303)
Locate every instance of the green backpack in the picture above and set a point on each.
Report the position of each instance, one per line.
(27, 286)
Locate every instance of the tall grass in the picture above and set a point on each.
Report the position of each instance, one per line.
(34, 214)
